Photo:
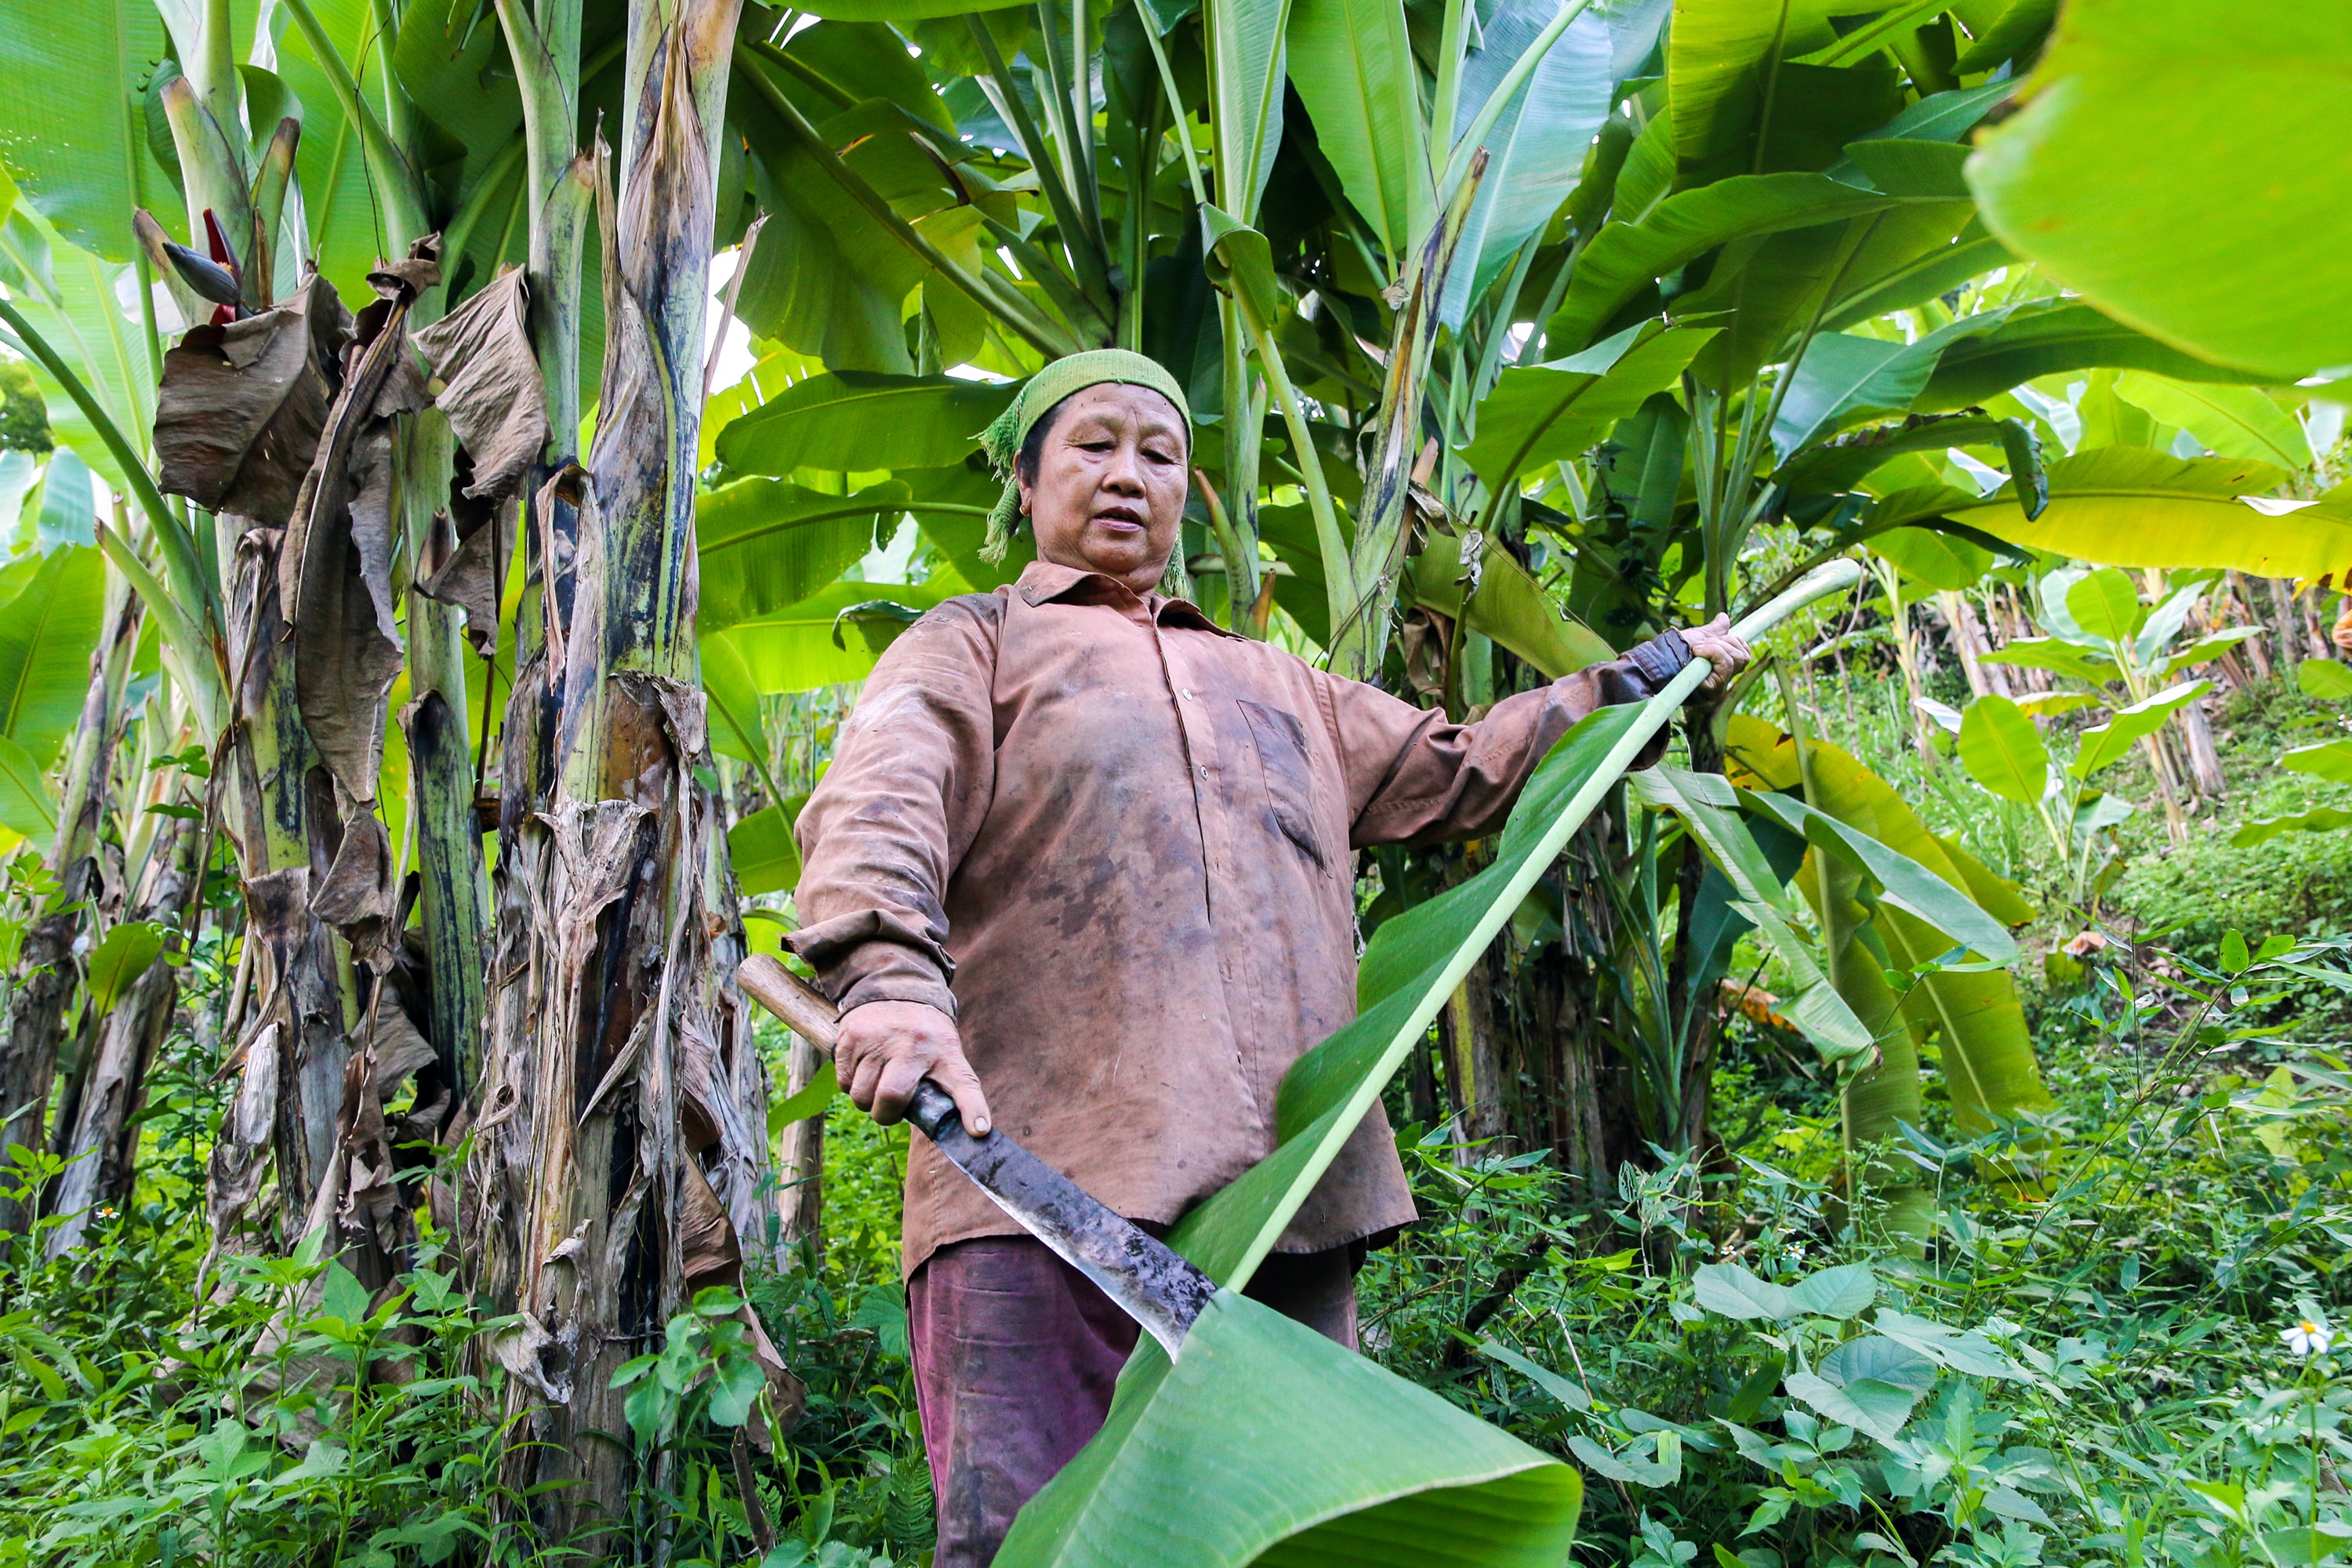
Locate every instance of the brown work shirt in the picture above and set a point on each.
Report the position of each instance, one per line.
(1114, 842)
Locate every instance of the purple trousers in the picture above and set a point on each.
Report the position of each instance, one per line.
(1015, 1355)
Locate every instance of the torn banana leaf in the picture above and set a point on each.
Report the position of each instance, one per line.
(1709, 809)
(1988, 1063)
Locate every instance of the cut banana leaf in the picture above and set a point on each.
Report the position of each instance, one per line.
(1263, 1443)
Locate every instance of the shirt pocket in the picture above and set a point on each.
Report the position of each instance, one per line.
(1281, 744)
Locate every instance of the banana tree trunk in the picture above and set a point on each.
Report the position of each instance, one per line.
(45, 975)
(636, 1063)
(103, 1139)
(277, 786)
(543, 43)
(453, 887)
(2204, 756)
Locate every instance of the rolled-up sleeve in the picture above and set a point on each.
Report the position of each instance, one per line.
(883, 832)
(1413, 776)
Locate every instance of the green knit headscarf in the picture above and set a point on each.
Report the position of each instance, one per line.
(1002, 440)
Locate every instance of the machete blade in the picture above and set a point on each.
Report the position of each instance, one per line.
(1149, 1281)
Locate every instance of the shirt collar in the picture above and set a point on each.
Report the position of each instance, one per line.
(1042, 581)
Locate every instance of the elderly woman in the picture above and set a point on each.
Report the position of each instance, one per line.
(1086, 858)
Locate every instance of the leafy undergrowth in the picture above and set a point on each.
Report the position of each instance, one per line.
(2112, 1348)
(300, 1418)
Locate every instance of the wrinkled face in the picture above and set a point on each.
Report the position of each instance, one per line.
(1108, 492)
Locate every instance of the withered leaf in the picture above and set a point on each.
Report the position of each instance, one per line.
(359, 896)
(706, 1240)
(491, 391)
(335, 571)
(239, 417)
(239, 1162)
(276, 905)
(400, 1048)
(467, 577)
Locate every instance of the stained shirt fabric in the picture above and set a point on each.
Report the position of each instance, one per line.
(1114, 842)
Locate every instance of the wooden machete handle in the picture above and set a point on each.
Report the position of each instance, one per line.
(790, 998)
(808, 1015)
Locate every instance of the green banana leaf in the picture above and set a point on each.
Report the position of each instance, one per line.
(901, 11)
(1245, 60)
(1988, 1063)
(2230, 421)
(2003, 751)
(28, 809)
(1933, 897)
(1998, 896)
(2050, 339)
(1353, 67)
(69, 295)
(2106, 605)
(1508, 606)
(70, 129)
(763, 545)
(1257, 1446)
(1846, 379)
(2185, 171)
(1545, 414)
(2112, 740)
(762, 850)
(1709, 809)
(1265, 1443)
(2322, 677)
(54, 605)
(1625, 258)
(338, 193)
(1877, 1101)
(2329, 759)
(795, 648)
(2129, 506)
(2056, 655)
(2262, 830)
(1717, 62)
(1944, 562)
(1544, 128)
(737, 729)
(863, 422)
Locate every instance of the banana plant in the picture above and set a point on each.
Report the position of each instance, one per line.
(373, 574)
(2004, 750)
(2325, 681)
(2100, 633)
(1916, 933)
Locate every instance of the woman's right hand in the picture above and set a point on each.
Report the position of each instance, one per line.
(885, 1048)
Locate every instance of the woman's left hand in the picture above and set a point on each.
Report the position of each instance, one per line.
(1714, 643)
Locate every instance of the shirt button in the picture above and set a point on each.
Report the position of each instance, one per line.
(1204, 770)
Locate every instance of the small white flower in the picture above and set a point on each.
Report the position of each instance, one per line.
(2309, 1336)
